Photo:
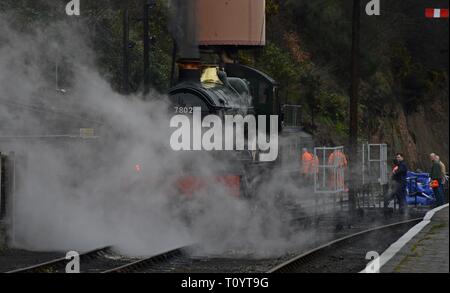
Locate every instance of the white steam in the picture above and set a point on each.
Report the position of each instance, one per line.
(81, 194)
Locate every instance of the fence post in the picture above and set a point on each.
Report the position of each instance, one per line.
(10, 195)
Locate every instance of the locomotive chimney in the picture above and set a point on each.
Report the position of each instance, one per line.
(189, 70)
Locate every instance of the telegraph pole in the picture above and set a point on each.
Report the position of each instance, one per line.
(147, 4)
(354, 97)
(125, 78)
(174, 57)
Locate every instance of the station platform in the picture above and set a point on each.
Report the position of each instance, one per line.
(427, 251)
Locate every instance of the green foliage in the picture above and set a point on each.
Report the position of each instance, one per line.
(398, 59)
(109, 50)
(307, 52)
(104, 26)
(278, 63)
(414, 81)
(334, 106)
(272, 8)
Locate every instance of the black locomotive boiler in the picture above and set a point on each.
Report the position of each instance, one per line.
(233, 90)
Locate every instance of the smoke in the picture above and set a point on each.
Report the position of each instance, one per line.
(78, 194)
(75, 193)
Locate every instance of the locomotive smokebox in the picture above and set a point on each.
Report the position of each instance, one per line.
(189, 70)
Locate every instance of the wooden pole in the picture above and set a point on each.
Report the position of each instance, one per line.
(354, 101)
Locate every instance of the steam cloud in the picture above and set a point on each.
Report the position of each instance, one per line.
(81, 194)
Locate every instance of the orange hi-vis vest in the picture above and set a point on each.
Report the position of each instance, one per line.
(307, 163)
(337, 158)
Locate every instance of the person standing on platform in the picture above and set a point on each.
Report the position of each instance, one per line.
(399, 173)
(436, 179)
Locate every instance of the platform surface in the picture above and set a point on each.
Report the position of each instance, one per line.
(426, 252)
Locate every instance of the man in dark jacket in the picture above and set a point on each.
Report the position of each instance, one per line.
(436, 174)
(399, 173)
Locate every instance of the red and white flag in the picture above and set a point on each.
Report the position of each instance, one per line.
(436, 12)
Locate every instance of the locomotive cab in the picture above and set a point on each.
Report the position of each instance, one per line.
(263, 89)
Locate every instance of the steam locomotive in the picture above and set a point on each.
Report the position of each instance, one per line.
(234, 89)
(238, 89)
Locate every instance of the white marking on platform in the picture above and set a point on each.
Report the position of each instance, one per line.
(402, 241)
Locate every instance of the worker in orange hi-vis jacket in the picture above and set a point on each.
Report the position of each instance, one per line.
(307, 164)
(315, 168)
(338, 159)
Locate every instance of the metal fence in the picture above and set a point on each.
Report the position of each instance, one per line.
(330, 178)
(292, 116)
(290, 149)
(374, 164)
(7, 184)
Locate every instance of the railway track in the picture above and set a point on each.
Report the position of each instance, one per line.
(146, 263)
(104, 260)
(184, 259)
(346, 254)
(189, 262)
(58, 264)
